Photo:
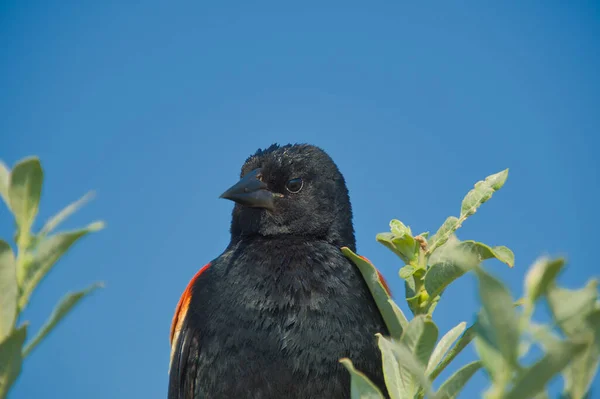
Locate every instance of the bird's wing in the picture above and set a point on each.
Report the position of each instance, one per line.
(184, 347)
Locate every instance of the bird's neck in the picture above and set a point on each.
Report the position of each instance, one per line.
(285, 240)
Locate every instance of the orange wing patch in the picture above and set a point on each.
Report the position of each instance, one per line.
(182, 308)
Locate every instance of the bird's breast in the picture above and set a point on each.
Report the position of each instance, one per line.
(287, 317)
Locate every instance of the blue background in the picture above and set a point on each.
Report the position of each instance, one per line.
(155, 105)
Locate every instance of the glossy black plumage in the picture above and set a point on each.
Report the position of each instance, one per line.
(272, 315)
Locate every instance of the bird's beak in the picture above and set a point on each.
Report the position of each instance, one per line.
(250, 191)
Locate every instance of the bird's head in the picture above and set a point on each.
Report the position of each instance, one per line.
(294, 190)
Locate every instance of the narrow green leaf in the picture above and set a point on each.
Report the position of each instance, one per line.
(432, 304)
(444, 232)
(462, 343)
(453, 385)
(48, 252)
(442, 347)
(399, 314)
(379, 293)
(481, 193)
(500, 314)
(544, 334)
(483, 251)
(60, 311)
(534, 379)
(540, 276)
(8, 290)
(361, 386)
(410, 365)
(580, 373)
(24, 192)
(413, 305)
(11, 359)
(61, 216)
(524, 347)
(420, 337)
(570, 307)
(427, 342)
(410, 288)
(4, 183)
(399, 385)
(495, 365)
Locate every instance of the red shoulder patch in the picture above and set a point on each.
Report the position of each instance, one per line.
(183, 305)
(381, 278)
(384, 283)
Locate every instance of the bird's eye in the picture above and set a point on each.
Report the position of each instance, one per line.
(294, 185)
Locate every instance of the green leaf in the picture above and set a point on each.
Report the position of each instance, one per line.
(409, 285)
(442, 347)
(496, 366)
(449, 262)
(61, 216)
(462, 343)
(406, 271)
(379, 293)
(11, 359)
(399, 229)
(453, 385)
(400, 241)
(534, 379)
(500, 314)
(420, 337)
(483, 251)
(440, 275)
(544, 335)
(399, 385)
(8, 289)
(4, 183)
(48, 252)
(24, 192)
(413, 305)
(443, 234)
(581, 371)
(474, 199)
(540, 276)
(361, 386)
(571, 307)
(60, 311)
(406, 247)
(482, 192)
(411, 368)
(399, 314)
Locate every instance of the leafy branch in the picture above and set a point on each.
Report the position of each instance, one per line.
(503, 332)
(36, 255)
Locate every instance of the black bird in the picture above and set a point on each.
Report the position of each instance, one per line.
(272, 315)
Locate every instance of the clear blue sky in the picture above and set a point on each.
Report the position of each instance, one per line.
(155, 105)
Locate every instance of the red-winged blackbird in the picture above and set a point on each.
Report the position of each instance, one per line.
(273, 314)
